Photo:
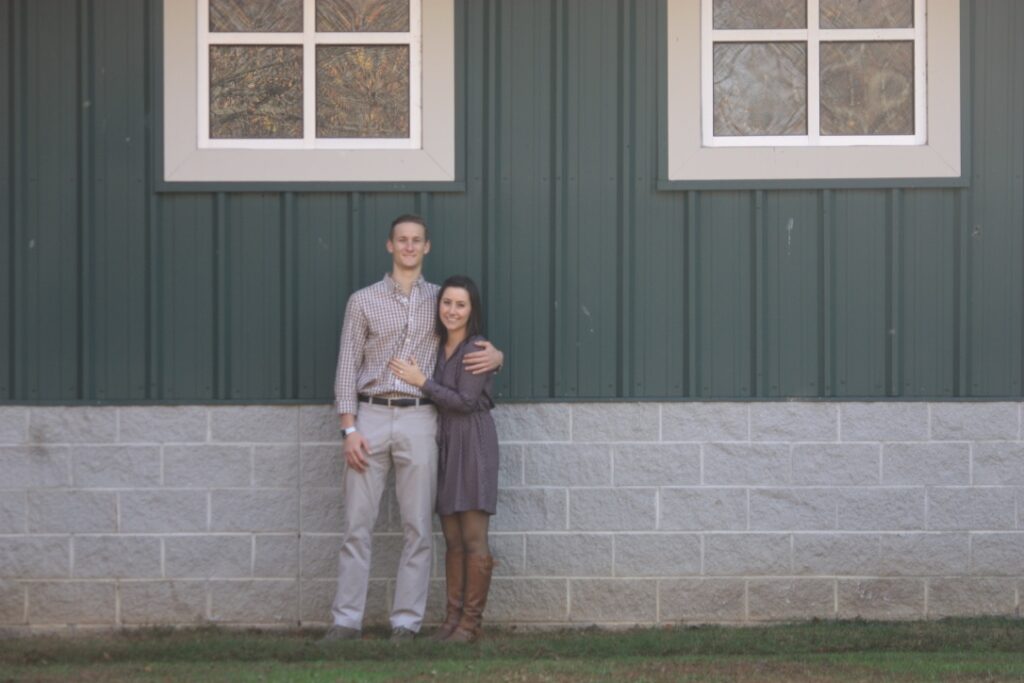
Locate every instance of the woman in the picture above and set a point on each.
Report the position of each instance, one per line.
(467, 471)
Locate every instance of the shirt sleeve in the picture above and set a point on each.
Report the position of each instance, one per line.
(462, 398)
(354, 333)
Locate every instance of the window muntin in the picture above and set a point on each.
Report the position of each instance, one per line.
(813, 73)
(309, 74)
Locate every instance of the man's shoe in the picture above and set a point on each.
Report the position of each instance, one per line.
(401, 634)
(336, 633)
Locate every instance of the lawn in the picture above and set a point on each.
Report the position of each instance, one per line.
(948, 650)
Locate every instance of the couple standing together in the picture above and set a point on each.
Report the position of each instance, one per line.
(413, 389)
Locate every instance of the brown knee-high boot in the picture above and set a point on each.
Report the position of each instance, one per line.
(478, 583)
(455, 582)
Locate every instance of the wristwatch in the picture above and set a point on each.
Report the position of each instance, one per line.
(348, 430)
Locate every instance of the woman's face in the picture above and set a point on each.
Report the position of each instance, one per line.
(454, 308)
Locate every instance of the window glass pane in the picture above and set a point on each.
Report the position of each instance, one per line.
(867, 14)
(362, 15)
(749, 14)
(255, 15)
(760, 89)
(255, 91)
(867, 88)
(362, 91)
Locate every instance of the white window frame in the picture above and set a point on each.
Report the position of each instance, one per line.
(309, 39)
(813, 36)
(689, 161)
(189, 160)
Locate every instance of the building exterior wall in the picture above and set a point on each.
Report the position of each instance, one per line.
(609, 513)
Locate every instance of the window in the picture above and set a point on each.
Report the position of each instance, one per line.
(309, 91)
(813, 90)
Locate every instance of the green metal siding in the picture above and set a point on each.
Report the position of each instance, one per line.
(598, 285)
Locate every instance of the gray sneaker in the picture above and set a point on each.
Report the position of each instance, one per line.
(336, 633)
(401, 634)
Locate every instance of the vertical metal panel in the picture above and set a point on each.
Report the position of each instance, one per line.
(997, 215)
(7, 243)
(597, 284)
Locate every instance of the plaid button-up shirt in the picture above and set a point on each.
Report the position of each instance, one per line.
(382, 323)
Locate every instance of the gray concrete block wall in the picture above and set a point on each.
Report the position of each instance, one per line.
(609, 513)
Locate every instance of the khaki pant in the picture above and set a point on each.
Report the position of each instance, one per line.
(405, 437)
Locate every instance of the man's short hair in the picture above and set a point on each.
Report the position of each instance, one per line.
(409, 218)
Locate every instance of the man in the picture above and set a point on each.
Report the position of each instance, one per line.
(386, 421)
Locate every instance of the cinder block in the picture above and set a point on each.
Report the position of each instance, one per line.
(508, 551)
(319, 555)
(163, 511)
(207, 466)
(961, 597)
(697, 509)
(530, 510)
(511, 465)
(71, 602)
(568, 465)
(613, 600)
(973, 509)
(163, 602)
(880, 509)
(923, 554)
(255, 424)
(835, 554)
(612, 509)
(657, 554)
(115, 467)
(117, 557)
(532, 422)
(35, 557)
(704, 422)
(322, 511)
(975, 421)
(701, 600)
(773, 599)
(527, 601)
(212, 556)
(608, 422)
(836, 464)
(263, 601)
(656, 464)
(795, 509)
(321, 466)
(12, 603)
(999, 463)
(163, 424)
(71, 511)
(12, 512)
(276, 556)
(318, 595)
(72, 425)
(385, 555)
(568, 555)
(794, 421)
(254, 510)
(35, 467)
(881, 599)
(926, 464)
(747, 554)
(883, 421)
(746, 464)
(319, 424)
(275, 466)
(998, 554)
(13, 424)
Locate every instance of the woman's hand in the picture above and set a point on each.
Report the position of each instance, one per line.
(407, 371)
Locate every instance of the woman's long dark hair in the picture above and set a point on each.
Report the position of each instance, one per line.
(475, 324)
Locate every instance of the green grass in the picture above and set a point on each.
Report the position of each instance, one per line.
(962, 649)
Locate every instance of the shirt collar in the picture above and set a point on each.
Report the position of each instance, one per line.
(393, 286)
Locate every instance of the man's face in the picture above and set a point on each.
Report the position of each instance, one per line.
(408, 245)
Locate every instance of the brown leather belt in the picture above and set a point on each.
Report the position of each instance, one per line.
(395, 402)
